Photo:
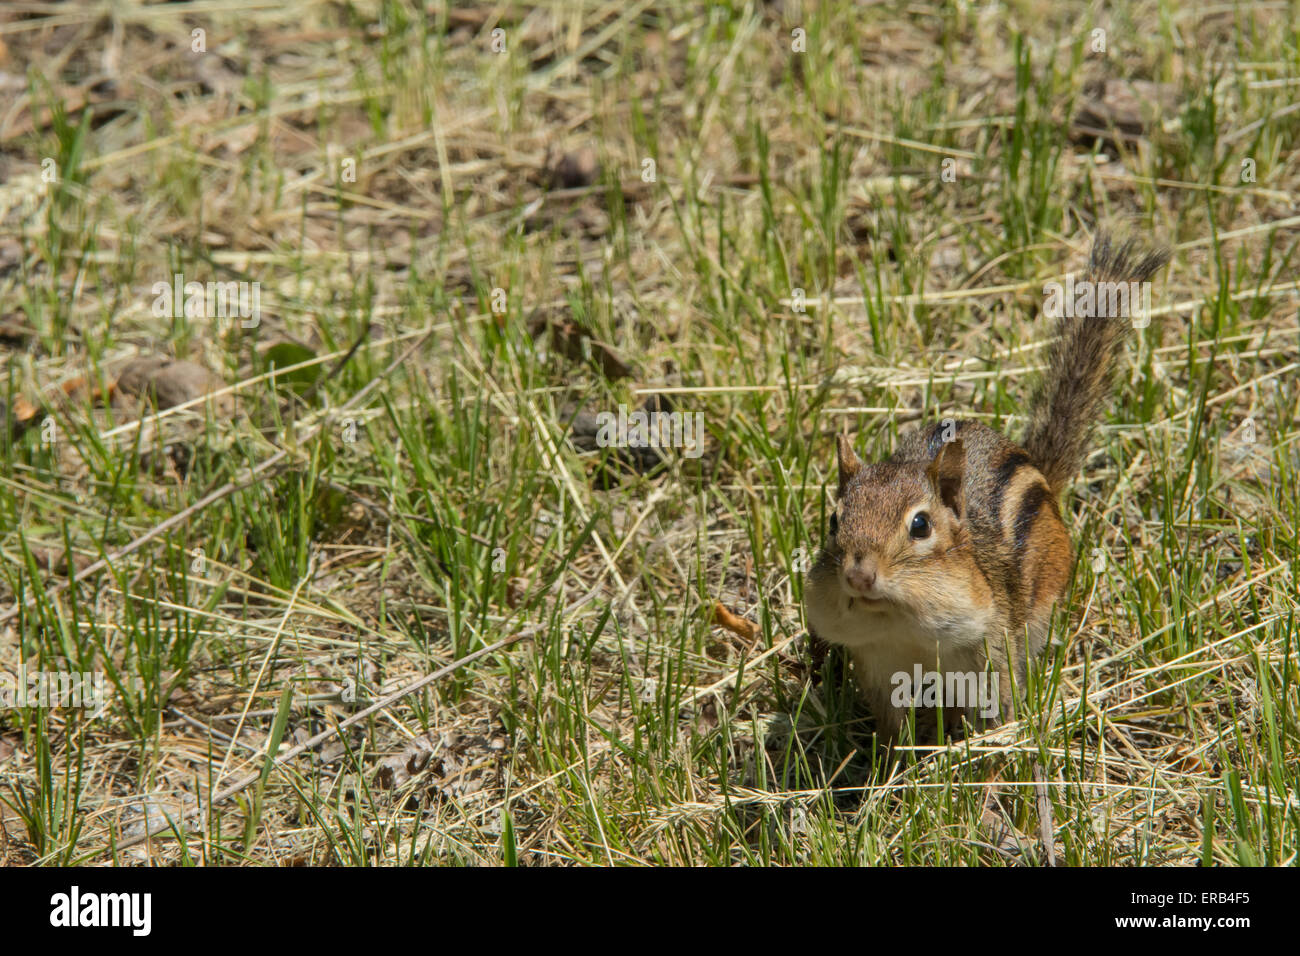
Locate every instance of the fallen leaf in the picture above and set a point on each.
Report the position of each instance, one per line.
(737, 625)
(286, 354)
(576, 343)
(1114, 111)
(55, 559)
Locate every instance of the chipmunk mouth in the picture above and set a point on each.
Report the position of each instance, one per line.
(858, 602)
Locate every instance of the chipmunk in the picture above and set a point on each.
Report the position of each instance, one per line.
(948, 558)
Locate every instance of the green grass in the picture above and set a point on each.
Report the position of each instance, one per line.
(430, 500)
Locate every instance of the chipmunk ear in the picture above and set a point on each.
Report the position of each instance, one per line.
(848, 460)
(946, 471)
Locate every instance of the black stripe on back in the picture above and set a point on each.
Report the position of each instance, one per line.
(1006, 471)
(1030, 504)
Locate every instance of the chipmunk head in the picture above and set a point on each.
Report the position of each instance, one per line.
(896, 524)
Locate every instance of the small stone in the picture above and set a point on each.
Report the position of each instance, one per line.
(170, 383)
(576, 169)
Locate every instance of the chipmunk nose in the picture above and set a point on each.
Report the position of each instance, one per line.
(861, 574)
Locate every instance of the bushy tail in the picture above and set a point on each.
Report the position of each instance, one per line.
(1068, 398)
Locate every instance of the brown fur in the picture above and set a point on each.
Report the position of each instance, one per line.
(978, 590)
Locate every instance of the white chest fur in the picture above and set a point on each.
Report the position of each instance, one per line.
(894, 640)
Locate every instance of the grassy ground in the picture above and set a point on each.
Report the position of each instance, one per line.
(286, 554)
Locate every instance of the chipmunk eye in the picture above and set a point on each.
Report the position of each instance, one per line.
(835, 523)
(920, 526)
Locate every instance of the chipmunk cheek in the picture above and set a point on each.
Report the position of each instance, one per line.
(923, 546)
